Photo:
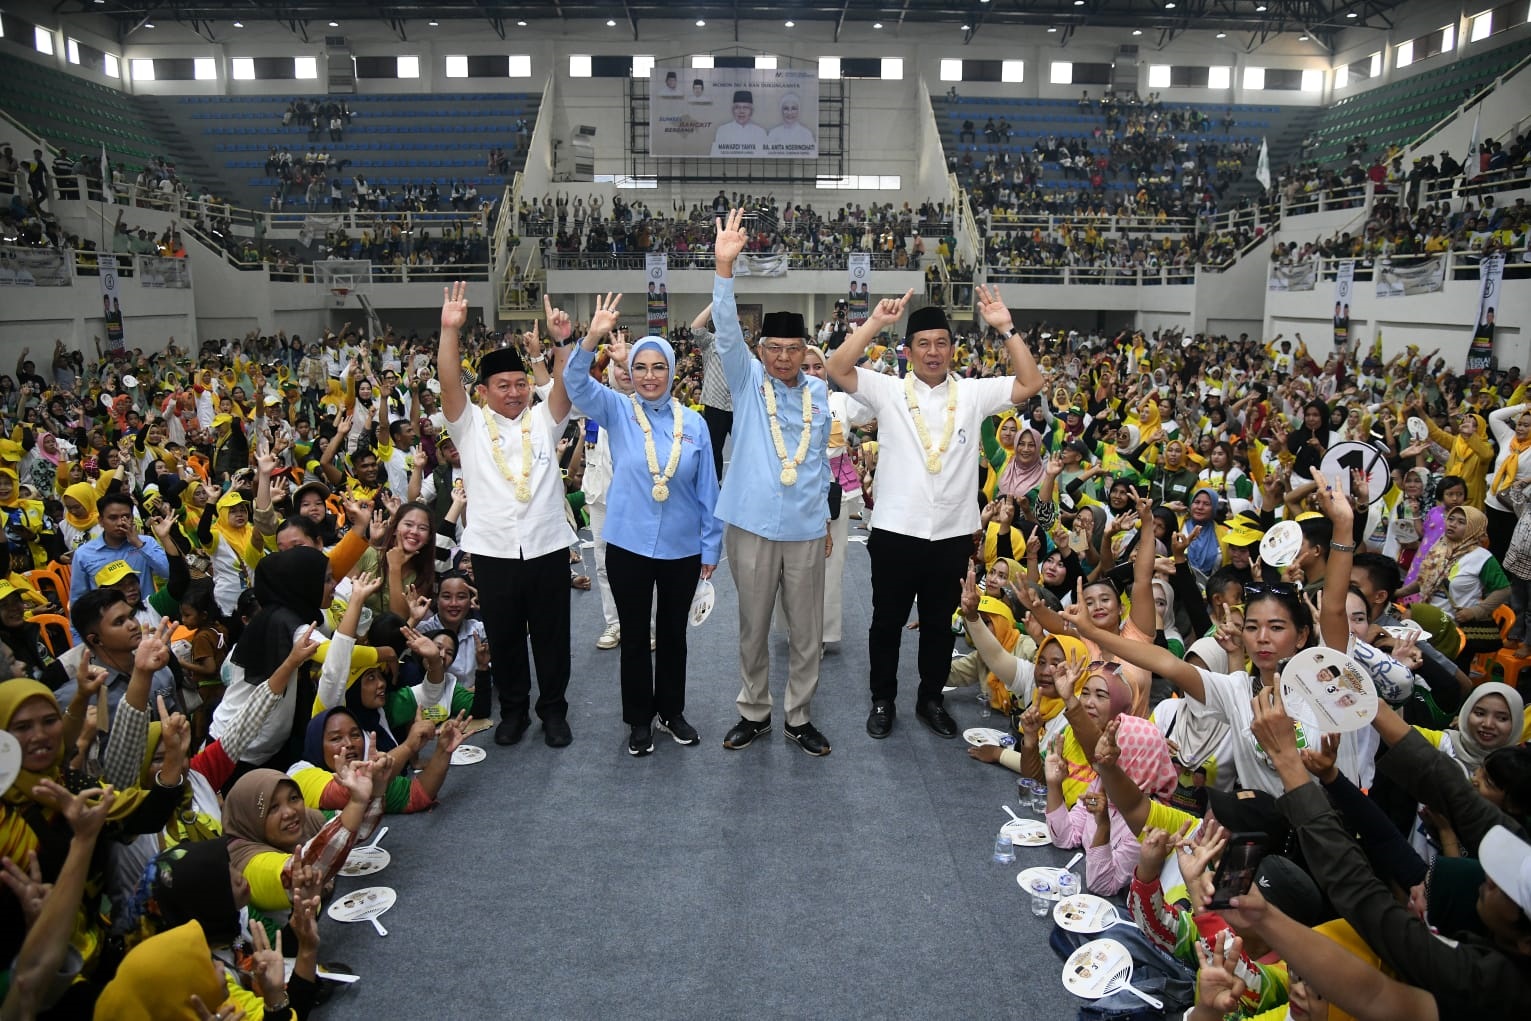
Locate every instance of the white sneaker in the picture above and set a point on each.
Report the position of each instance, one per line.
(610, 638)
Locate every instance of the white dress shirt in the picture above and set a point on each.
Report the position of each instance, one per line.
(499, 525)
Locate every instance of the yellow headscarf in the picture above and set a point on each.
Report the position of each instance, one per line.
(243, 541)
(157, 979)
(84, 494)
(14, 500)
(1075, 654)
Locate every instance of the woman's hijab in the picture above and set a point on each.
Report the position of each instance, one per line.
(245, 810)
(190, 883)
(289, 586)
(1471, 752)
(158, 978)
(1433, 573)
(1021, 477)
(1205, 552)
(84, 494)
(667, 352)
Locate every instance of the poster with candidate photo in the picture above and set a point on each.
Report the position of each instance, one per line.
(732, 113)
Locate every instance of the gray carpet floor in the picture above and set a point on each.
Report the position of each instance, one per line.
(699, 882)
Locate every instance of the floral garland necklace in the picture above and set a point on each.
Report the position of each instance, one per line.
(523, 481)
(933, 453)
(661, 490)
(788, 464)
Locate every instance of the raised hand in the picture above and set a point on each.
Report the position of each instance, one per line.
(266, 965)
(481, 654)
(1098, 805)
(729, 240)
(423, 648)
(1320, 761)
(26, 885)
(993, 308)
(175, 732)
(970, 593)
(1181, 541)
(605, 317)
(560, 326)
(1053, 769)
(1333, 504)
(356, 777)
(1218, 988)
(889, 310)
(454, 306)
(452, 734)
(153, 650)
(89, 678)
(1031, 724)
(419, 605)
(1107, 751)
(366, 585)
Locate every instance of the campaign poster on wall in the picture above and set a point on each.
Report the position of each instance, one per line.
(111, 307)
(658, 267)
(733, 113)
(1480, 355)
(858, 296)
(1343, 281)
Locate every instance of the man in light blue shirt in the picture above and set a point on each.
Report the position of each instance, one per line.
(119, 540)
(775, 503)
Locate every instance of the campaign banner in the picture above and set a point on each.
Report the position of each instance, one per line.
(1343, 280)
(761, 265)
(35, 267)
(658, 267)
(1395, 281)
(159, 271)
(1301, 277)
(734, 112)
(1480, 353)
(111, 306)
(858, 266)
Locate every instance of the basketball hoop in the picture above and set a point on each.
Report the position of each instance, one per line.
(338, 296)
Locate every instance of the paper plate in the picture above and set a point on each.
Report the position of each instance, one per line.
(1326, 689)
(1342, 457)
(1040, 881)
(433, 385)
(1026, 833)
(130, 381)
(362, 905)
(364, 861)
(1281, 544)
(1404, 629)
(106, 400)
(1419, 431)
(10, 760)
(467, 754)
(1085, 912)
(976, 736)
(702, 603)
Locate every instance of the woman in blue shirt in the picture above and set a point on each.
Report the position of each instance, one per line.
(661, 532)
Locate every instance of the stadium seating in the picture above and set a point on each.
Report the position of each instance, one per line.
(1401, 111)
(76, 114)
(392, 139)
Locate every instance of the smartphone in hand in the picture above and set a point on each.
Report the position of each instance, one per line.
(1236, 870)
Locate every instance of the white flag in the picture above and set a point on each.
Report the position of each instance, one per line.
(1263, 168)
(107, 195)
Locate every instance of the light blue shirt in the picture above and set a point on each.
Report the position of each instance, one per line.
(683, 525)
(147, 561)
(753, 496)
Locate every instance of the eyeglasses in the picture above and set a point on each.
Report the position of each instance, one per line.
(1273, 588)
(777, 350)
(1100, 666)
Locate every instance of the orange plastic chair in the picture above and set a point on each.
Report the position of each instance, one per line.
(45, 578)
(65, 572)
(55, 631)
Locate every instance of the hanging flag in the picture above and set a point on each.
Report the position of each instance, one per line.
(1471, 166)
(1344, 279)
(658, 267)
(1263, 168)
(107, 195)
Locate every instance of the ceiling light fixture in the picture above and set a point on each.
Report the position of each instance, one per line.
(334, 24)
(791, 24)
(239, 24)
(433, 24)
(1222, 35)
(1078, 3)
(1137, 31)
(1169, 6)
(1260, 9)
(1052, 30)
(877, 24)
(700, 23)
(148, 24)
(965, 28)
(611, 23)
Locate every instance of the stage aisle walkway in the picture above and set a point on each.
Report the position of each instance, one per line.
(700, 882)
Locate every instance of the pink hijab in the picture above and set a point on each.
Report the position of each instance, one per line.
(1018, 480)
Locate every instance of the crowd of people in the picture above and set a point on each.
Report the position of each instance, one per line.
(1425, 182)
(254, 569)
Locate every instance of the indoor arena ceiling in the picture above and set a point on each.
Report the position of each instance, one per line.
(1260, 18)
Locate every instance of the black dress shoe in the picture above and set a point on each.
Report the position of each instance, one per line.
(511, 729)
(808, 738)
(746, 731)
(934, 715)
(556, 732)
(880, 722)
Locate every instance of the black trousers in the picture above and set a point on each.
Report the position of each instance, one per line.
(719, 423)
(906, 570)
(1501, 526)
(521, 598)
(652, 683)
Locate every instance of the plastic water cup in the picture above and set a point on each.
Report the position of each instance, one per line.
(1004, 850)
(1068, 885)
(1041, 906)
(983, 700)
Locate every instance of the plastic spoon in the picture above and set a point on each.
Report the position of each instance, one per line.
(378, 836)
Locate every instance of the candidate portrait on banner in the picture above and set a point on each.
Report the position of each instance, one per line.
(734, 113)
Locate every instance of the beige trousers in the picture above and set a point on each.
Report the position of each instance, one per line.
(834, 568)
(761, 568)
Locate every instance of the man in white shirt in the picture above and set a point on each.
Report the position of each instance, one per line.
(740, 136)
(927, 488)
(517, 532)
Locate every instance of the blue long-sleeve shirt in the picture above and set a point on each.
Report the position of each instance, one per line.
(753, 497)
(146, 560)
(685, 524)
